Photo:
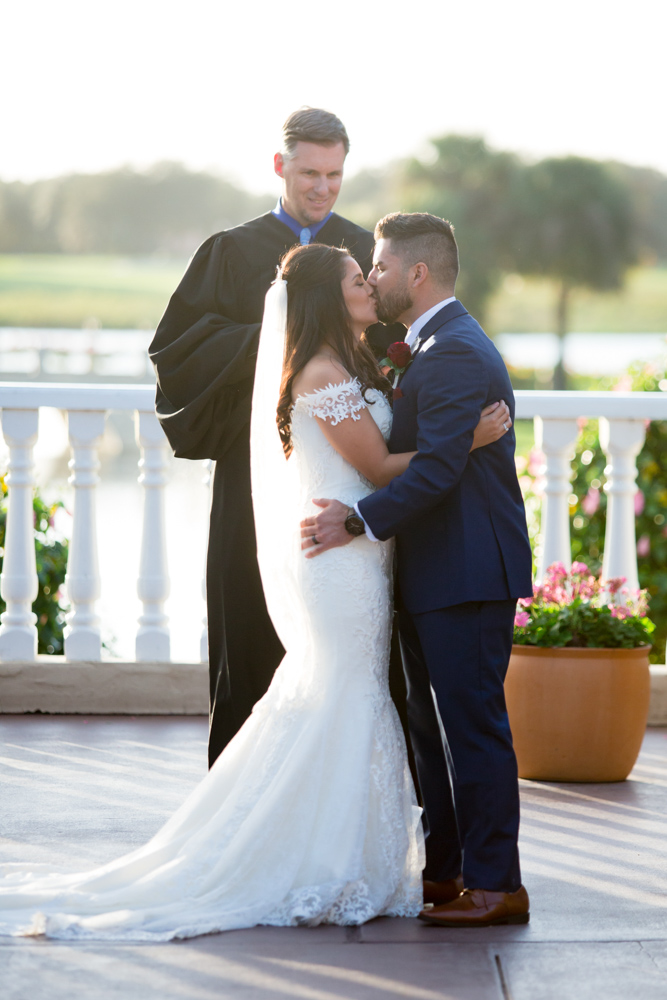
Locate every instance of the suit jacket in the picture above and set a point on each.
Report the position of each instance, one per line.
(458, 516)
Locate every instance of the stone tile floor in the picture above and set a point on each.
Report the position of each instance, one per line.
(594, 860)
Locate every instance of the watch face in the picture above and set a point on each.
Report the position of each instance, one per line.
(354, 524)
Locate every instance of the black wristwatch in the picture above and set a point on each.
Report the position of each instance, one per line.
(354, 525)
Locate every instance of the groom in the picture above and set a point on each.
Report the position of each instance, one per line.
(463, 560)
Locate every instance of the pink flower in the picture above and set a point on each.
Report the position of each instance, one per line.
(620, 611)
(554, 593)
(644, 546)
(526, 602)
(591, 501)
(579, 569)
(642, 603)
(521, 619)
(556, 571)
(536, 461)
(639, 503)
(615, 583)
(586, 587)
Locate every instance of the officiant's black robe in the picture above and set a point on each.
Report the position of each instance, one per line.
(204, 353)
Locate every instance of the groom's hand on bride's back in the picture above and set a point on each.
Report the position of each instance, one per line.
(325, 530)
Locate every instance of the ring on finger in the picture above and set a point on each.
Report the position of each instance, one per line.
(505, 427)
(314, 539)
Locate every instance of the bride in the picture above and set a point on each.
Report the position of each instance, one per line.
(309, 816)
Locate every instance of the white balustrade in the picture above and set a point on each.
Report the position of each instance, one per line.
(555, 415)
(83, 639)
(19, 583)
(622, 420)
(556, 438)
(153, 639)
(621, 441)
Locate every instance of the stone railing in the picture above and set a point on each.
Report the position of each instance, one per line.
(623, 419)
(86, 408)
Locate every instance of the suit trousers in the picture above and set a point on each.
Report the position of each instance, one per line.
(457, 658)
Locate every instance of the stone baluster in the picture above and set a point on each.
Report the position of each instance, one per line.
(82, 633)
(621, 441)
(556, 438)
(153, 641)
(18, 583)
(203, 642)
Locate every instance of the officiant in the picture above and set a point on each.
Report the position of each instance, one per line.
(204, 354)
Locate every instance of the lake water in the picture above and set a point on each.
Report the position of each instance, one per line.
(585, 353)
(121, 354)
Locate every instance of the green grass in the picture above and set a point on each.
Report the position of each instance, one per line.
(525, 437)
(527, 305)
(62, 290)
(59, 290)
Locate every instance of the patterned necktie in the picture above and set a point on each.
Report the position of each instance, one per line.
(304, 236)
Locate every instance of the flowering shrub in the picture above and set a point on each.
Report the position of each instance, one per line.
(588, 515)
(51, 559)
(588, 502)
(577, 609)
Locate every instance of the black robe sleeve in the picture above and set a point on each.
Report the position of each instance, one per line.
(204, 356)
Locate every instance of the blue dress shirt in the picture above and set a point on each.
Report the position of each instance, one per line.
(305, 234)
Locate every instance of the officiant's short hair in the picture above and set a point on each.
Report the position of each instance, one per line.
(419, 236)
(313, 125)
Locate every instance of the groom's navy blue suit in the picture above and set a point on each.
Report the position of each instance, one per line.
(463, 560)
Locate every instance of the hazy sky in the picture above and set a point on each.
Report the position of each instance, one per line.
(90, 84)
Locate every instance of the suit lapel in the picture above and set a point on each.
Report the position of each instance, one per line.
(443, 316)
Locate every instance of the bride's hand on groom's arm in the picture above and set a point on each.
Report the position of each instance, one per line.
(325, 530)
(493, 423)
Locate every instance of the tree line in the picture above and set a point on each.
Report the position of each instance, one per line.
(578, 221)
(167, 209)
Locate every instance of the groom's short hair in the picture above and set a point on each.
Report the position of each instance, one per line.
(421, 237)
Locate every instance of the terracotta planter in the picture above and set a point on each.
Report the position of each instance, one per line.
(577, 714)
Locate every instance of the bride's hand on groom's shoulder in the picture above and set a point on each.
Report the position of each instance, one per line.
(325, 530)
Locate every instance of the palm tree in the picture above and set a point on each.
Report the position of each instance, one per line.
(575, 226)
(474, 187)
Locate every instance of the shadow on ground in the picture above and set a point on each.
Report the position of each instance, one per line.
(80, 791)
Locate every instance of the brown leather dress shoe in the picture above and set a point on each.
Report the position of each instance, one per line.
(437, 893)
(481, 908)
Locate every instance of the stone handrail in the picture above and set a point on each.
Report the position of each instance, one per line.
(623, 417)
(86, 407)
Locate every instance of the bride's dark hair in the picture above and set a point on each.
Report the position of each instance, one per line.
(317, 315)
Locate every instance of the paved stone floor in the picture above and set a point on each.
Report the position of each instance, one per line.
(593, 860)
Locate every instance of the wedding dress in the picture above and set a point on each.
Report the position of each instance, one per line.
(309, 815)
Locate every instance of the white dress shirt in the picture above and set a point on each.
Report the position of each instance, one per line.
(412, 336)
(412, 339)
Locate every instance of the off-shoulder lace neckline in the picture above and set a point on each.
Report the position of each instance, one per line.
(331, 387)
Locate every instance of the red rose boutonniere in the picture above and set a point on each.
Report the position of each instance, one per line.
(399, 358)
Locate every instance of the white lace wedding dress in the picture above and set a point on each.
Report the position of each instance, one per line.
(309, 816)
